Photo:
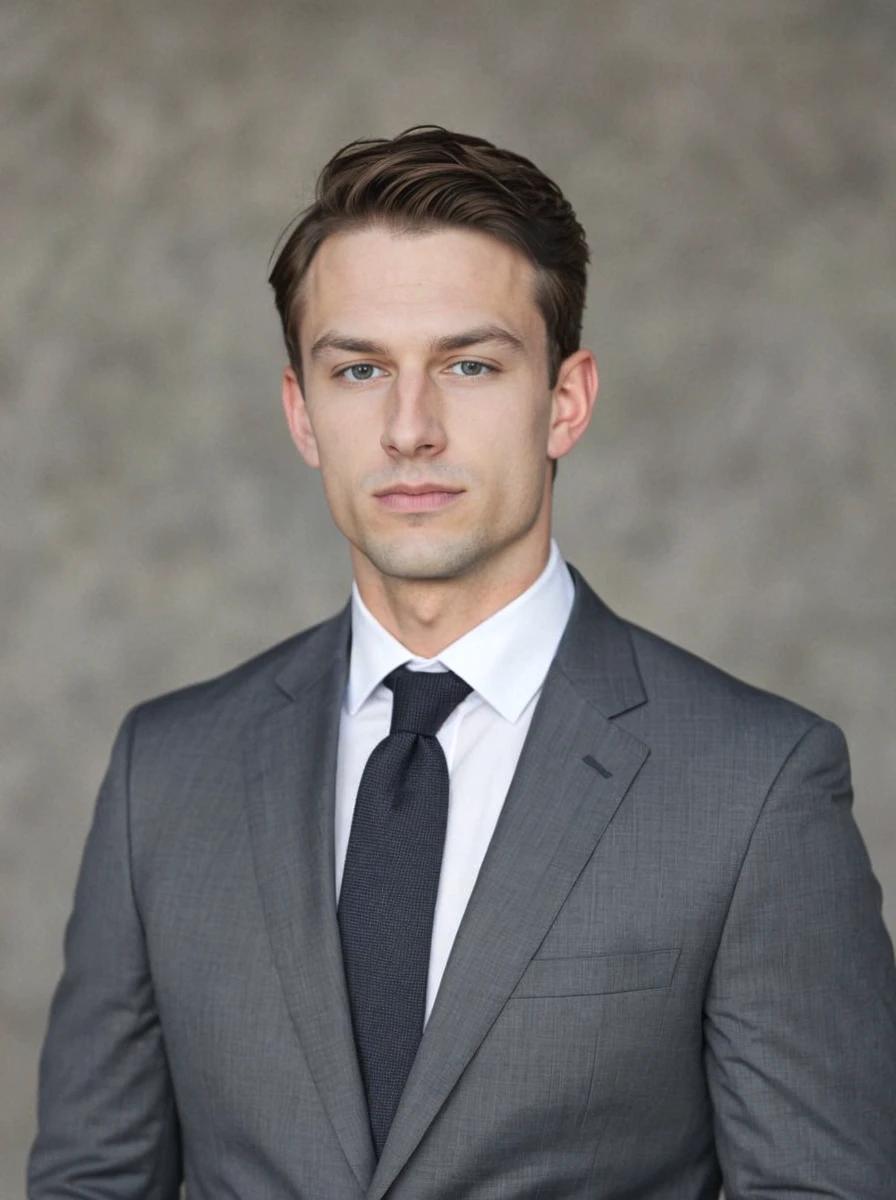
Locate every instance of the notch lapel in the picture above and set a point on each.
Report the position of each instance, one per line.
(290, 796)
(574, 770)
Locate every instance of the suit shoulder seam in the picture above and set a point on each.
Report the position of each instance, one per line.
(749, 841)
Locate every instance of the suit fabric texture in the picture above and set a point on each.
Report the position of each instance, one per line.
(672, 972)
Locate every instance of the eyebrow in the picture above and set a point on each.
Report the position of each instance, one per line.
(332, 340)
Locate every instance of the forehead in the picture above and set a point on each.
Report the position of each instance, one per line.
(376, 282)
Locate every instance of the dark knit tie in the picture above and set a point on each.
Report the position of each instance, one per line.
(389, 885)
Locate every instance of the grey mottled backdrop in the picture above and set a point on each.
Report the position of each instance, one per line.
(733, 164)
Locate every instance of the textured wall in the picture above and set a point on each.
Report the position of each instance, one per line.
(733, 164)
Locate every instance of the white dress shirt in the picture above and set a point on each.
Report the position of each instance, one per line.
(504, 659)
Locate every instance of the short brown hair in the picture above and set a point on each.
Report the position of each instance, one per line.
(428, 178)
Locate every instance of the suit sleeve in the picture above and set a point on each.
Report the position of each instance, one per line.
(800, 1014)
(107, 1123)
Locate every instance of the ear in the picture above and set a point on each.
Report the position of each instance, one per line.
(297, 418)
(572, 402)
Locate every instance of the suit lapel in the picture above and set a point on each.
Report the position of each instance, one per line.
(574, 770)
(290, 776)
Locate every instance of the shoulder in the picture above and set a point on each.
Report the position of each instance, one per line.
(670, 669)
(720, 719)
(724, 751)
(659, 685)
(216, 709)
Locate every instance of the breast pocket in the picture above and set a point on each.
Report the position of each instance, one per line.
(593, 974)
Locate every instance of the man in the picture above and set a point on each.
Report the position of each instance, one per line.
(475, 890)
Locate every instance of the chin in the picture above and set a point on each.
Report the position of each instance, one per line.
(424, 558)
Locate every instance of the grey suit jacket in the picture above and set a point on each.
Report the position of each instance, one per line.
(672, 971)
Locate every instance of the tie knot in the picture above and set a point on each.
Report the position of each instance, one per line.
(423, 700)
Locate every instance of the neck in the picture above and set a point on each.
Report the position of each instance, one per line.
(426, 615)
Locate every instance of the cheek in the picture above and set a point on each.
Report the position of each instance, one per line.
(341, 466)
(510, 430)
(344, 441)
(514, 452)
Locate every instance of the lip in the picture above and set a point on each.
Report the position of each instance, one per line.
(420, 497)
(415, 489)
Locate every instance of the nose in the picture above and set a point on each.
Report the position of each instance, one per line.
(413, 424)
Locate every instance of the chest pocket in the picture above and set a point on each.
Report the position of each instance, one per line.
(593, 974)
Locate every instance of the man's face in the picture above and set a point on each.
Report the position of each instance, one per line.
(425, 367)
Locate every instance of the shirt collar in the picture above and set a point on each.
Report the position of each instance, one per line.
(504, 658)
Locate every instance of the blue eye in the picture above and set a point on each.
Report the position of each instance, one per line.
(359, 372)
(479, 368)
(468, 368)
